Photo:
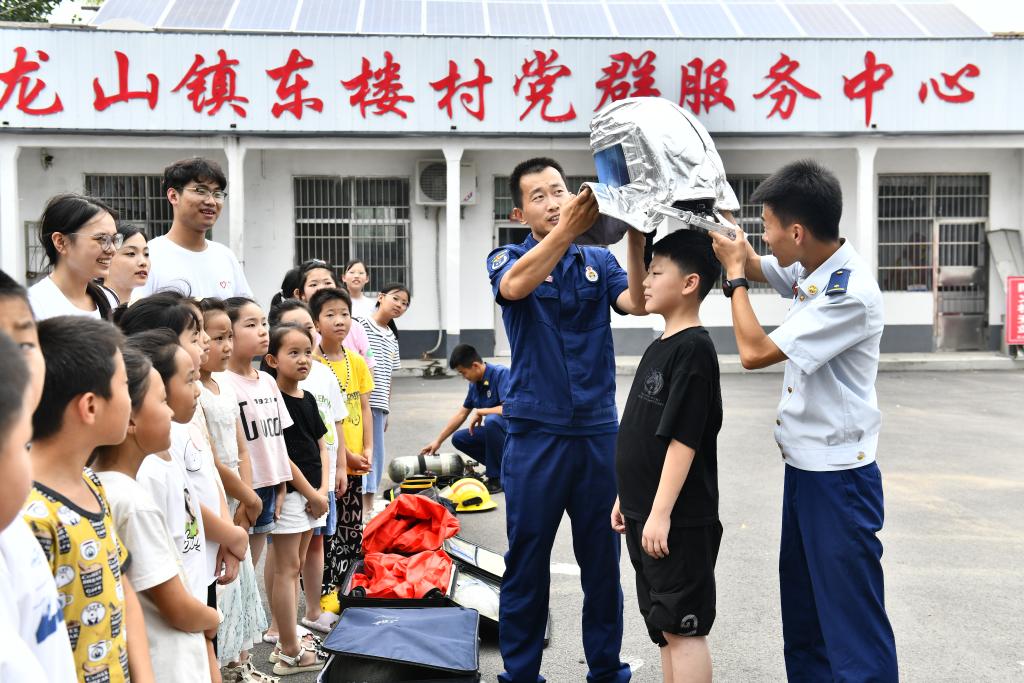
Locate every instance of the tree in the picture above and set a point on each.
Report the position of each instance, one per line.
(27, 10)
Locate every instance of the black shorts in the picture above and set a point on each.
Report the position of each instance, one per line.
(676, 593)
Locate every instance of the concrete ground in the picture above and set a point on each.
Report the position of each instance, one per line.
(952, 457)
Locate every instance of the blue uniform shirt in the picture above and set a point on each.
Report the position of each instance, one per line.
(491, 390)
(563, 360)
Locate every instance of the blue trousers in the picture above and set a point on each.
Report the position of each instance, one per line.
(834, 622)
(485, 444)
(545, 475)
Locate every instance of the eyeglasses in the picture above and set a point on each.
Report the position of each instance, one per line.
(204, 192)
(106, 242)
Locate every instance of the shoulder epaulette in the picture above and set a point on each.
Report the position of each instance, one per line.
(838, 282)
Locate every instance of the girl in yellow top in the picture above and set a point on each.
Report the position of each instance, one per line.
(332, 313)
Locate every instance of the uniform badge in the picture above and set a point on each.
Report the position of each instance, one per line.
(499, 259)
(838, 282)
(812, 289)
(591, 274)
(550, 278)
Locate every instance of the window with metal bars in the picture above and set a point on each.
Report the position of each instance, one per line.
(909, 207)
(503, 194)
(137, 199)
(339, 219)
(749, 216)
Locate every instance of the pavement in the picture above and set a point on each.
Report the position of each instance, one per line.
(730, 364)
(951, 455)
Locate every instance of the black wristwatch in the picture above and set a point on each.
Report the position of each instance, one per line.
(729, 286)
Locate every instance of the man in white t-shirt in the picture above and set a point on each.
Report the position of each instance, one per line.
(184, 259)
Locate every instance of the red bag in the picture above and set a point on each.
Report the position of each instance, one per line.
(398, 576)
(410, 524)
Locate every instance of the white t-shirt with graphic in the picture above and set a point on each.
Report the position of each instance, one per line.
(213, 272)
(191, 448)
(142, 528)
(168, 484)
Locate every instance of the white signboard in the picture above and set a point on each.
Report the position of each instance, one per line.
(91, 80)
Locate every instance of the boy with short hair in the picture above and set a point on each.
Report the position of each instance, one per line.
(183, 259)
(483, 440)
(85, 404)
(666, 461)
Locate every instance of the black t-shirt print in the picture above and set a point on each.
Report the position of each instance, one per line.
(676, 394)
(303, 436)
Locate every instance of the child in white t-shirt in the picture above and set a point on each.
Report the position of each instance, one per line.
(244, 618)
(176, 619)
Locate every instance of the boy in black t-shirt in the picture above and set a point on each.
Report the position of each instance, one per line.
(666, 461)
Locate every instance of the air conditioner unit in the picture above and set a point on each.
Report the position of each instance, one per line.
(432, 182)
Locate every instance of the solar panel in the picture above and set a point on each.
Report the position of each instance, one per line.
(821, 21)
(884, 21)
(208, 14)
(263, 15)
(945, 21)
(702, 20)
(517, 19)
(392, 16)
(455, 18)
(146, 12)
(763, 21)
(328, 16)
(579, 20)
(641, 19)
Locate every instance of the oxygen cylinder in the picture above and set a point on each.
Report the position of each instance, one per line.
(441, 464)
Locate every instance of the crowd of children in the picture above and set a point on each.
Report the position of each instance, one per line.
(169, 438)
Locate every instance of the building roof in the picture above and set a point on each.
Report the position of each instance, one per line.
(553, 18)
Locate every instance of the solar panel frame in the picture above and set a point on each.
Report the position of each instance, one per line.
(441, 14)
(884, 20)
(763, 20)
(506, 15)
(328, 16)
(702, 20)
(146, 12)
(393, 17)
(945, 21)
(641, 20)
(821, 20)
(579, 19)
(208, 14)
(263, 15)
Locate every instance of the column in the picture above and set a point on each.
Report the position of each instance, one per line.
(12, 232)
(866, 238)
(235, 152)
(453, 242)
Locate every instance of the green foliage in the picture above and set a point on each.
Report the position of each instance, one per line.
(27, 10)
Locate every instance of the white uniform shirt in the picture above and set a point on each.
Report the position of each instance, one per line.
(213, 272)
(828, 417)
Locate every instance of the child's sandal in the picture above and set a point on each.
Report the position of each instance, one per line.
(307, 642)
(286, 666)
(250, 674)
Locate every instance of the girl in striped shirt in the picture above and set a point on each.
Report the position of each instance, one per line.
(392, 302)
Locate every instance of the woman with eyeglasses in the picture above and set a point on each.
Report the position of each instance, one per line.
(130, 267)
(80, 238)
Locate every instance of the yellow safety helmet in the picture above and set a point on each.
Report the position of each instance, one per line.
(469, 495)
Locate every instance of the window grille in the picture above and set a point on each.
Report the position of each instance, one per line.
(339, 219)
(908, 208)
(137, 199)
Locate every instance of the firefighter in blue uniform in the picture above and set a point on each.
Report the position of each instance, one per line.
(834, 623)
(556, 298)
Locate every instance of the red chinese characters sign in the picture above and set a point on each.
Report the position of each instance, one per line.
(1015, 310)
(484, 86)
